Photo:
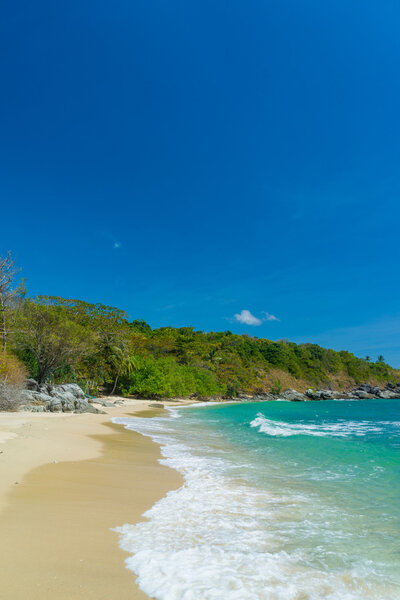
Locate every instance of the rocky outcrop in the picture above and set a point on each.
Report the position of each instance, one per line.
(361, 392)
(323, 394)
(102, 402)
(292, 395)
(67, 397)
(365, 390)
(263, 397)
(32, 385)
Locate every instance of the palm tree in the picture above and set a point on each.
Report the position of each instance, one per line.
(123, 363)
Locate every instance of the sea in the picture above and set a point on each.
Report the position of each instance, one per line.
(280, 501)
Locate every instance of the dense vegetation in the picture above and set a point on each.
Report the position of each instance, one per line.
(59, 340)
(101, 349)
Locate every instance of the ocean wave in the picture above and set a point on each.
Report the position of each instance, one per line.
(337, 429)
(213, 538)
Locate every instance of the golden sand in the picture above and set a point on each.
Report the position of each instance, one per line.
(56, 541)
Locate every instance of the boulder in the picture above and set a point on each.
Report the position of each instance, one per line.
(366, 387)
(34, 408)
(45, 388)
(313, 394)
(68, 404)
(156, 405)
(264, 397)
(57, 398)
(74, 389)
(62, 395)
(361, 394)
(366, 391)
(32, 385)
(375, 391)
(54, 405)
(293, 396)
(31, 396)
(82, 405)
(101, 402)
(387, 395)
(77, 405)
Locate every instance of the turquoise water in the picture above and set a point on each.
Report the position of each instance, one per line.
(281, 501)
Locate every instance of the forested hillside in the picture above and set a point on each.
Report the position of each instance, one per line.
(60, 340)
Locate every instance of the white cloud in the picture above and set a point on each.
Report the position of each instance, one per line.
(269, 317)
(247, 318)
(117, 244)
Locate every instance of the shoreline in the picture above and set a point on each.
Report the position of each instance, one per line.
(65, 481)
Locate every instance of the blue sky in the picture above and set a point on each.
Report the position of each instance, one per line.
(188, 161)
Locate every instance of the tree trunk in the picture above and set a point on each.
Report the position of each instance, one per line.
(115, 384)
(4, 322)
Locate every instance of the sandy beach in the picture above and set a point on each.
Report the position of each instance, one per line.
(65, 481)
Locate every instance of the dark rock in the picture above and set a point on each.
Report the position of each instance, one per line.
(45, 388)
(324, 394)
(156, 405)
(366, 387)
(366, 391)
(319, 394)
(32, 385)
(374, 390)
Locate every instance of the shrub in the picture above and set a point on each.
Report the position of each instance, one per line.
(164, 377)
(12, 378)
(12, 371)
(276, 387)
(10, 397)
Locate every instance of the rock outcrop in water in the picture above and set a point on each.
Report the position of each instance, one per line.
(361, 392)
(55, 398)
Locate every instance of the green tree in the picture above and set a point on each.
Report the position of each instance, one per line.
(123, 363)
(53, 341)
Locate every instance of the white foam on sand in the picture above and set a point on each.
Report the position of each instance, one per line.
(211, 539)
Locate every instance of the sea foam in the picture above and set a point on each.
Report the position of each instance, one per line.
(338, 429)
(212, 540)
